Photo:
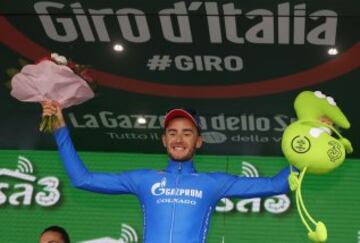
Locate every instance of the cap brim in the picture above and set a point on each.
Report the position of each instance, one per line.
(178, 113)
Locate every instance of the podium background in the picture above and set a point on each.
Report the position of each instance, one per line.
(245, 106)
(332, 198)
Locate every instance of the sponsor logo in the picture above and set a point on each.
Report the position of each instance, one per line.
(216, 129)
(334, 153)
(169, 195)
(301, 144)
(23, 193)
(159, 189)
(127, 235)
(93, 27)
(275, 205)
(213, 137)
(282, 24)
(214, 124)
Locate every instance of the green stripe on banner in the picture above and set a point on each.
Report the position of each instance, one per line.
(27, 207)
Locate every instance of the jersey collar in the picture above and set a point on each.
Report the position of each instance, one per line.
(180, 166)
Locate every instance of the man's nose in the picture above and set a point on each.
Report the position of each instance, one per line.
(178, 138)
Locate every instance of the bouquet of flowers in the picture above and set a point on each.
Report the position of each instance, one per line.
(53, 78)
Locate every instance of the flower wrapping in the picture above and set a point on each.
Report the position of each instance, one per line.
(53, 79)
(50, 81)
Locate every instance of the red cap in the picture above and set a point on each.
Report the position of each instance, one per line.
(180, 112)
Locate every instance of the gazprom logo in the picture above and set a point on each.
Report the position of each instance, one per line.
(159, 189)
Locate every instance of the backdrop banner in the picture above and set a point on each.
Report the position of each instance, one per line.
(36, 193)
(239, 63)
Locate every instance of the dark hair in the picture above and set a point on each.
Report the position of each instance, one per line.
(59, 230)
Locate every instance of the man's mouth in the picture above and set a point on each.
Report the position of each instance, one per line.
(177, 148)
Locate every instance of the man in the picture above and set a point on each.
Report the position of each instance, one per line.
(54, 234)
(178, 201)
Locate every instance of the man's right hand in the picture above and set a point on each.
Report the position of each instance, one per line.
(50, 108)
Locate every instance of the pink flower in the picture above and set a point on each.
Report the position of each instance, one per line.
(86, 75)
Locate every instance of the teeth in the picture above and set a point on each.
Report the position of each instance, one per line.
(179, 148)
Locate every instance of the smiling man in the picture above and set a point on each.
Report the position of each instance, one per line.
(177, 201)
(182, 134)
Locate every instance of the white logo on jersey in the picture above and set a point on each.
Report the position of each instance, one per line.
(160, 188)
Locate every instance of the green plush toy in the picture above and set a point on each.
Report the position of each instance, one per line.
(313, 145)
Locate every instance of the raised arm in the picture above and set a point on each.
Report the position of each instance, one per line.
(79, 175)
(248, 187)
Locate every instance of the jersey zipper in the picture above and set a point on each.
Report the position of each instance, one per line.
(179, 167)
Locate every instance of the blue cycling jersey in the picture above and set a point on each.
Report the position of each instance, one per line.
(177, 202)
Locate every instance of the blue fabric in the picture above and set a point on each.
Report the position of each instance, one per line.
(177, 202)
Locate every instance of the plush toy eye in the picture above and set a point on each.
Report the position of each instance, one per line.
(316, 132)
(331, 100)
(319, 94)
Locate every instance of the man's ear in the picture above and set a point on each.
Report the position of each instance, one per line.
(163, 140)
(199, 142)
